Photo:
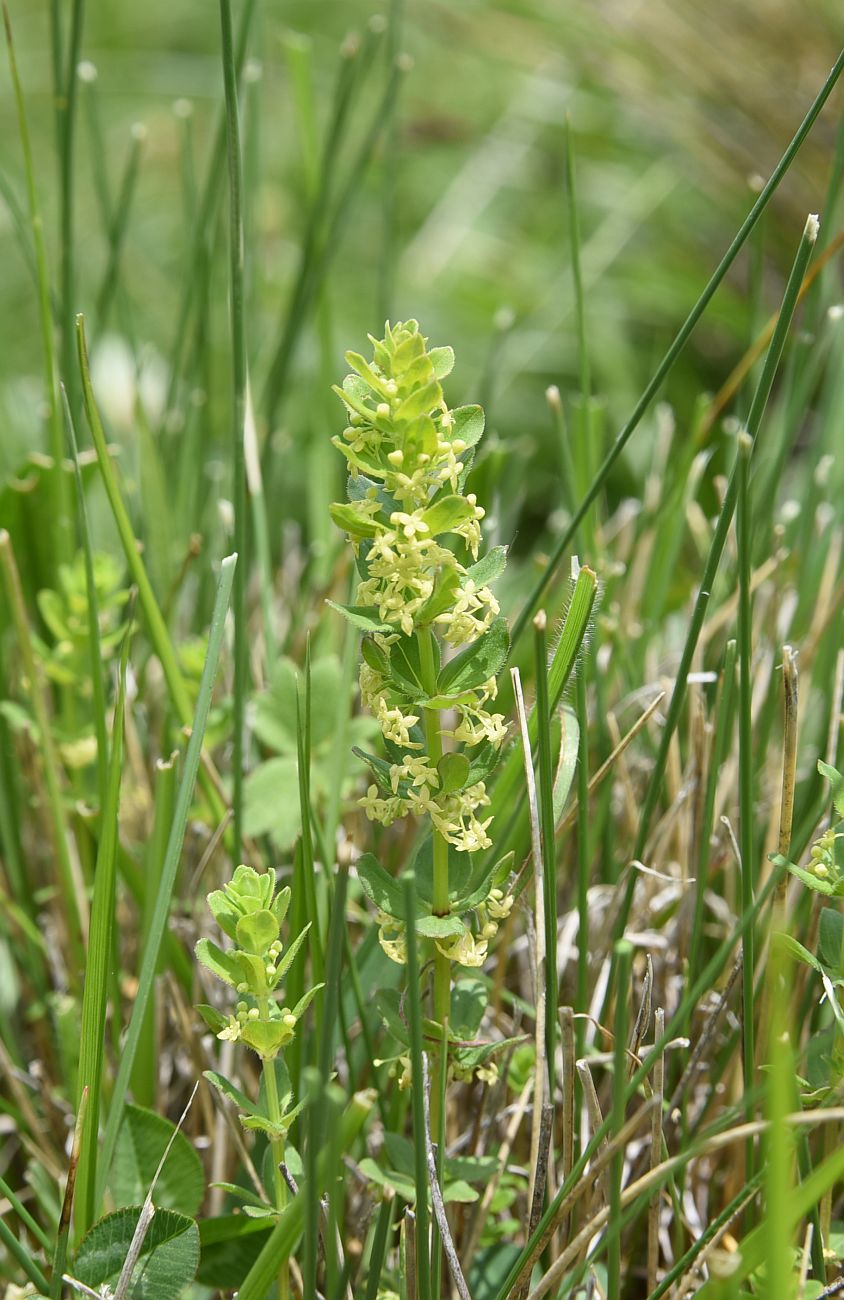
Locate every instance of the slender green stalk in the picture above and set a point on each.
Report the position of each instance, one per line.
(66, 146)
(723, 731)
(583, 864)
(23, 1214)
(585, 454)
(629, 428)
(549, 848)
(277, 1148)
(414, 1014)
(238, 338)
(392, 161)
(52, 779)
(379, 1246)
(203, 222)
(158, 925)
(719, 538)
(45, 316)
(145, 1073)
(97, 684)
(624, 959)
(118, 223)
(745, 721)
(97, 966)
(63, 1233)
(779, 1144)
(23, 1255)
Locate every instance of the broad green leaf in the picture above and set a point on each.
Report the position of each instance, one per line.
(167, 1262)
(366, 372)
(468, 1004)
(222, 964)
(453, 769)
(352, 521)
(257, 932)
(830, 939)
(141, 1142)
(439, 927)
(212, 1017)
(380, 769)
(489, 567)
(442, 360)
(441, 598)
(421, 402)
(790, 945)
(447, 513)
(271, 802)
(362, 616)
(467, 424)
(374, 656)
(379, 885)
(481, 660)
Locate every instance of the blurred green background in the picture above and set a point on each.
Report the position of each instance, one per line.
(676, 110)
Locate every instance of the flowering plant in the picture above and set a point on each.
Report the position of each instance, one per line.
(433, 644)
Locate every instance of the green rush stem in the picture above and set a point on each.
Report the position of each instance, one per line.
(414, 1009)
(61, 492)
(67, 134)
(745, 728)
(549, 848)
(277, 1146)
(583, 861)
(682, 337)
(238, 329)
(439, 900)
(624, 959)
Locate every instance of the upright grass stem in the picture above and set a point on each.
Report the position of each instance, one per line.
(60, 493)
(238, 336)
(746, 836)
(549, 848)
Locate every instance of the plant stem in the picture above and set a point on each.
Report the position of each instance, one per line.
(238, 335)
(439, 899)
(277, 1147)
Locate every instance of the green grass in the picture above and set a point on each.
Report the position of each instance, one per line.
(553, 198)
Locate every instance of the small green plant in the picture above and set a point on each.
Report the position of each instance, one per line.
(423, 592)
(250, 912)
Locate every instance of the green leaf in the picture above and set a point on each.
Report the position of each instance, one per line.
(447, 514)
(167, 1262)
(837, 781)
(141, 1142)
(467, 424)
(233, 1094)
(453, 769)
(489, 567)
(379, 885)
(257, 932)
(352, 521)
(366, 372)
(270, 801)
(468, 1004)
(222, 964)
(439, 927)
(442, 359)
(374, 656)
(441, 598)
(287, 960)
(361, 616)
(790, 945)
(212, 1017)
(481, 660)
(567, 762)
(380, 769)
(470, 1057)
(230, 1245)
(831, 939)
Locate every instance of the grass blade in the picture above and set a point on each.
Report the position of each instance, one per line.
(170, 868)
